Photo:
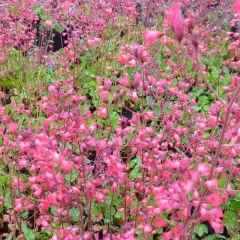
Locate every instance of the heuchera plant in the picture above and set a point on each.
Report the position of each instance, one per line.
(129, 131)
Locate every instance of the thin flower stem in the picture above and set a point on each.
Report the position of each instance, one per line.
(228, 190)
(225, 124)
(90, 215)
(111, 219)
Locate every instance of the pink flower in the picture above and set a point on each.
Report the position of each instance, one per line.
(167, 235)
(175, 20)
(159, 223)
(217, 226)
(87, 236)
(179, 28)
(132, 63)
(204, 169)
(214, 199)
(66, 166)
(93, 42)
(178, 230)
(104, 96)
(137, 79)
(102, 112)
(211, 184)
(124, 81)
(123, 59)
(4, 74)
(49, 23)
(190, 21)
(134, 96)
(147, 228)
(173, 12)
(18, 205)
(1, 200)
(236, 6)
(90, 43)
(151, 37)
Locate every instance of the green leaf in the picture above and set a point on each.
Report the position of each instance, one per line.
(110, 98)
(114, 117)
(139, 235)
(150, 101)
(229, 219)
(184, 140)
(214, 237)
(135, 173)
(71, 178)
(235, 205)
(24, 215)
(237, 197)
(222, 183)
(190, 197)
(96, 209)
(44, 235)
(74, 214)
(201, 229)
(28, 233)
(236, 237)
(215, 72)
(119, 215)
(7, 200)
(189, 66)
(53, 210)
(133, 162)
(107, 215)
(10, 236)
(39, 10)
(203, 100)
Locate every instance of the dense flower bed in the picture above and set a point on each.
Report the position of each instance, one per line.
(118, 122)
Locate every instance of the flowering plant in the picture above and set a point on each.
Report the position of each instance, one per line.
(126, 132)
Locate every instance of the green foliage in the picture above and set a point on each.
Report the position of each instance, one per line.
(233, 204)
(114, 117)
(135, 173)
(7, 200)
(10, 236)
(119, 215)
(229, 219)
(135, 168)
(43, 235)
(72, 177)
(201, 229)
(74, 212)
(215, 237)
(28, 233)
